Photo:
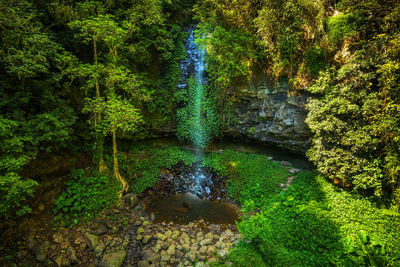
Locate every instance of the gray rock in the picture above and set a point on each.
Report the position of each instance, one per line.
(72, 254)
(114, 259)
(102, 229)
(143, 264)
(92, 240)
(171, 250)
(58, 237)
(98, 250)
(40, 250)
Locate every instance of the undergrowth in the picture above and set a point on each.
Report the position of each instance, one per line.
(85, 196)
(143, 163)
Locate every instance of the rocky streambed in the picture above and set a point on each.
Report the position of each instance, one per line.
(125, 236)
(132, 234)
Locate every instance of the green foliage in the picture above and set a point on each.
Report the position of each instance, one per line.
(350, 124)
(259, 177)
(315, 58)
(197, 121)
(117, 114)
(13, 192)
(341, 26)
(242, 255)
(85, 196)
(313, 223)
(143, 164)
(165, 99)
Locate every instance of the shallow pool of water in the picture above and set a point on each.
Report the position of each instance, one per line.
(186, 208)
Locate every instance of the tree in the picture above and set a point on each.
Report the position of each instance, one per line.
(117, 115)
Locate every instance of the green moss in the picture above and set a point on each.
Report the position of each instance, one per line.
(341, 26)
(315, 57)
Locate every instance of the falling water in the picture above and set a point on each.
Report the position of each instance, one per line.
(194, 65)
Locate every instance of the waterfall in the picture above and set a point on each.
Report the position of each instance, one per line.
(194, 67)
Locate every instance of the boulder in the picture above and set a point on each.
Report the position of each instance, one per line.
(58, 237)
(92, 240)
(114, 259)
(171, 250)
(41, 249)
(98, 250)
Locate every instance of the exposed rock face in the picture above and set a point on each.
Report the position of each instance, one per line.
(267, 111)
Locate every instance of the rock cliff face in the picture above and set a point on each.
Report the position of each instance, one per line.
(267, 111)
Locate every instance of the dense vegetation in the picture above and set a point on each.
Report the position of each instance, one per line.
(312, 223)
(80, 76)
(345, 54)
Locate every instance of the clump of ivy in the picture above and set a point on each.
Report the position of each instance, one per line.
(85, 196)
(341, 26)
(315, 58)
(197, 120)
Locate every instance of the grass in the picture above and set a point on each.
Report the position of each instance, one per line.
(312, 223)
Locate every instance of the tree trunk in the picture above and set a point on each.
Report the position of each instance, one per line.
(99, 138)
(116, 168)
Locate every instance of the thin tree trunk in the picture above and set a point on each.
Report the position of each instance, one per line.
(99, 138)
(116, 168)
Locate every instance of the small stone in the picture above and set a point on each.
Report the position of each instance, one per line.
(223, 253)
(168, 233)
(209, 236)
(165, 258)
(186, 247)
(171, 250)
(126, 242)
(143, 264)
(206, 242)
(41, 249)
(114, 259)
(58, 260)
(64, 245)
(146, 238)
(191, 256)
(66, 261)
(161, 236)
(102, 229)
(98, 250)
(139, 237)
(175, 235)
(203, 250)
(199, 235)
(58, 238)
(92, 240)
(210, 250)
(72, 254)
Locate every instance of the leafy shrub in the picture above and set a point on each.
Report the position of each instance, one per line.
(315, 60)
(85, 197)
(341, 26)
(306, 225)
(143, 164)
(13, 192)
(252, 176)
